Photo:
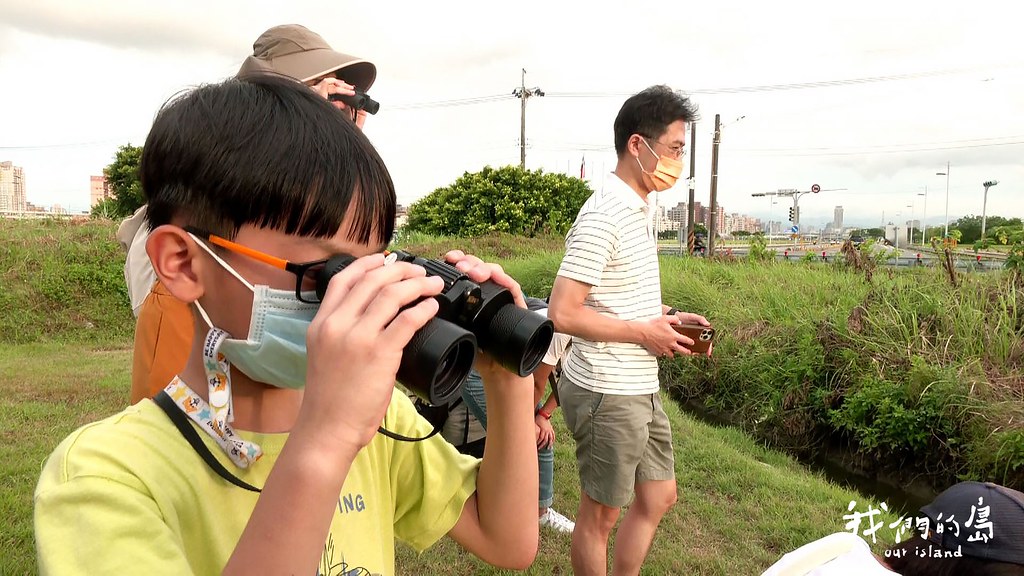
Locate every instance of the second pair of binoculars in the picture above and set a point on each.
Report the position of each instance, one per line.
(358, 101)
(440, 355)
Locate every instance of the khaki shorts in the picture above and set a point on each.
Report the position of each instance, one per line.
(620, 440)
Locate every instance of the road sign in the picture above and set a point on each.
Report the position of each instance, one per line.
(815, 188)
(794, 229)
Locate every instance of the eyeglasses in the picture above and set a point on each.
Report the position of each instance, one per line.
(677, 151)
(305, 272)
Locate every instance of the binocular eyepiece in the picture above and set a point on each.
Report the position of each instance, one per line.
(358, 101)
(440, 355)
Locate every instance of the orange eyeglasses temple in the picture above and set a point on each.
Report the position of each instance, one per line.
(246, 251)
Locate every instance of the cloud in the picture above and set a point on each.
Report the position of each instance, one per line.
(159, 27)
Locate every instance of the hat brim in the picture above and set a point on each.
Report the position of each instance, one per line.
(312, 64)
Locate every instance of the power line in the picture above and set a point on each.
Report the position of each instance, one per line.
(488, 99)
(796, 154)
(781, 87)
(448, 103)
(965, 141)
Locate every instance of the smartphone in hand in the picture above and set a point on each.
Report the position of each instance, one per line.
(702, 336)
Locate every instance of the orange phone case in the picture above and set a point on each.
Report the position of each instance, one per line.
(701, 336)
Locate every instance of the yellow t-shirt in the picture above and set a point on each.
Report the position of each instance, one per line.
(128, 495)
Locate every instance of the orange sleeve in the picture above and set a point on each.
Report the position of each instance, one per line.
(163, 339)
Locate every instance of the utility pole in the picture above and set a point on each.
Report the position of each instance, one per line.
(523, 93)
(924, 218)
(690, 212)
(945, 232)
(713, 225)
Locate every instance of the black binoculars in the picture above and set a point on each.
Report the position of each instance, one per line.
(358, 101)
(440, 355)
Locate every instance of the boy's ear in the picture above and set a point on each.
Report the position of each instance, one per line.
(177, 262)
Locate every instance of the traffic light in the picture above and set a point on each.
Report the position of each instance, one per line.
(791, 214)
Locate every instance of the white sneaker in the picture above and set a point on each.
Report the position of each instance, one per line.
(556, 521)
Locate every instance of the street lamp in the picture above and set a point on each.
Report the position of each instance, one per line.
(910, 225)
(924, 217)
(984, 204)
(945, 233)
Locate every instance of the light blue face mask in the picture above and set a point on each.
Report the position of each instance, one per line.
(275, 351)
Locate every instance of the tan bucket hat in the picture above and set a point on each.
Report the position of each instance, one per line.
(300, 53)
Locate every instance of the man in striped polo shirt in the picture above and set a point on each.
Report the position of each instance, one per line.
(607, 295)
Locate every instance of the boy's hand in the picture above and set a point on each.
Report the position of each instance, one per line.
(479, 271)
(355, 345)
(545, 433)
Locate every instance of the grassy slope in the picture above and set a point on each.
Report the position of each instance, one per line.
(741, 505)
(786, 331)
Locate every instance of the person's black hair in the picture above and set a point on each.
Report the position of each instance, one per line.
(915, 557)
(264, 151)
(649, 114)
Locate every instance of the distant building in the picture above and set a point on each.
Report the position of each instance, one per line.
(677, 215)
(837, 220)
(12, 188)
(401, 216)
(99, 190)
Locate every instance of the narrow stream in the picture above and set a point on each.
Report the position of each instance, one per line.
(900, 498)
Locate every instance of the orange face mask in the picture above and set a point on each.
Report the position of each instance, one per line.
(666, 173)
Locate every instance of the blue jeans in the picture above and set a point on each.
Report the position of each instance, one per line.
(473, 396)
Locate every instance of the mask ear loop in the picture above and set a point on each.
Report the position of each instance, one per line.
(224, 265)
(640, 164)
(222, 262)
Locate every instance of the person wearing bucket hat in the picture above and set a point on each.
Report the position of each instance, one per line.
(970, 529)
(163, 329)
(298, 52)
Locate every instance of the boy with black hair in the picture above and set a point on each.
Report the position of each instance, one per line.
(251, 185)
(163, 333)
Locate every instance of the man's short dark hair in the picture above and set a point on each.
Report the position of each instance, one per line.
(264, 151)
(649, 114)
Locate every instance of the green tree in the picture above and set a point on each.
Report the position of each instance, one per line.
(508, 199)
(1006, 234)
(123, 178)
(868, 232)
(969, 227)
(104, 209)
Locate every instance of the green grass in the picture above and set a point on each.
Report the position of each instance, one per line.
(48, 390)
(62, 280)
(741, 505)
(907, 371)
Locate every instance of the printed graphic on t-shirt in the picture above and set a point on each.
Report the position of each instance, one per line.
(330, 567)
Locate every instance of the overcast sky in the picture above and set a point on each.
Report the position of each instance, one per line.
(895, 90)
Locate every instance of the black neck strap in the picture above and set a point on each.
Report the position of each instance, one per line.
(184, 425)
